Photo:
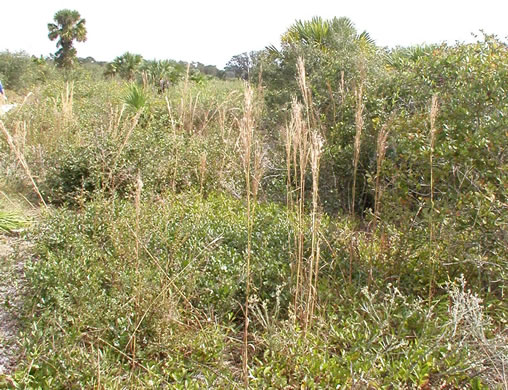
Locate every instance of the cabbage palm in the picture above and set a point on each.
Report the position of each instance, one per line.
(158, 70)
(325, 34)
(69, 27)
(308, 32)
(136, 98)
(125, 66)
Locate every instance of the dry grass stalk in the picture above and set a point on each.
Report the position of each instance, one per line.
(128, 132)
(25, 99)
(303, 145)
(299, 156)
(217, 111)
(144, 78)
(226, 139)
(22, 160)
(316, 151)
(253, 166)
(287, 135)
(19, 136)
(259, 167)
(115, 119)
(302, 142)
(129, 129)
(332, 99)
(246, 135)
(260, 82)
(358, 141)
(342, 87)
(184, 110)
(67, 101)
(99, 368)
(312, 118)
(202, 170)
(302, 83)
(434, 109)
(137, 206)
(175, 149)
(356, 158)
(193, 112)
(63, 108)
(381, 144)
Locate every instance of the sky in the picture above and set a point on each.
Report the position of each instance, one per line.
(212, 31)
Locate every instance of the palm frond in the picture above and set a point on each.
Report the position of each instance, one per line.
(10, 221)
(273, 51)
(365, 38)
(136, 98)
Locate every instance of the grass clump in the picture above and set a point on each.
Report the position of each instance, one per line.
(11, 221)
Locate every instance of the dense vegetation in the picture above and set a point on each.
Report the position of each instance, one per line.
(351, 201)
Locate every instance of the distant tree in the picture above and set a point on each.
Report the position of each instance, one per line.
(209, 70)
(240, 65)
(87, 60)
(69, 27)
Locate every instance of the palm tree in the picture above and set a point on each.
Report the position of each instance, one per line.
(325, 34)
(309, 32)
(125, 66)
(158, 70)
(69, 27)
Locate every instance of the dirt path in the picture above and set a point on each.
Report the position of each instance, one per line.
(13, 253)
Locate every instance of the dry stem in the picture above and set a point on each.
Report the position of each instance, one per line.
(433, 115)
(21, 159)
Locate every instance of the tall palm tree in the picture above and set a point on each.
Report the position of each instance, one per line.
(68, 27)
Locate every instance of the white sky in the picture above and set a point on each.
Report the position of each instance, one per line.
(212, 31)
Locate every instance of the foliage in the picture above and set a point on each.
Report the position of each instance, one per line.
(125, 66)
(136, 98)
(195, 261)
(241, 65)
(163, 70)
(338, 61)
(143, 249)
(19, 71)
(10, 221)
(69, 27)
(159, 73)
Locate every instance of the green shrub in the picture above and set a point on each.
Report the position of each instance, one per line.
(190, 259)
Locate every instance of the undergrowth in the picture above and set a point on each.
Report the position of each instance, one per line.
(343, 230)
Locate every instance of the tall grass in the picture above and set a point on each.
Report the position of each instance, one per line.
(21, 158)
(313, 271)
(381, 145)
(297, 154)
(434, 109)
(357, 142)
(137, 298)
(303, 146)
(247, 133)
(64, 113)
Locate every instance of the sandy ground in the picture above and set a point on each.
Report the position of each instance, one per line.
(13, 252)
(4, 108)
